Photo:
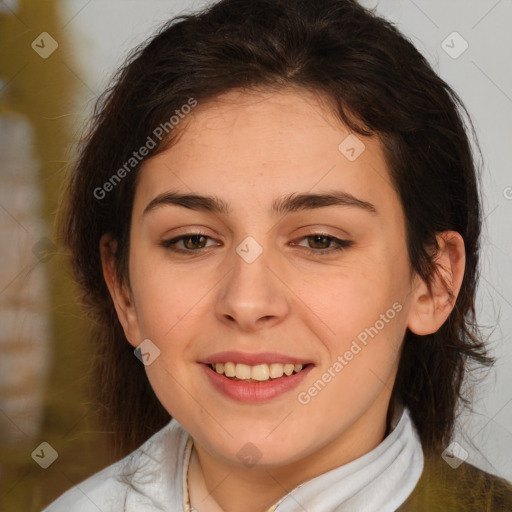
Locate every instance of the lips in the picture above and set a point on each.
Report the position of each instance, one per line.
(254, 378)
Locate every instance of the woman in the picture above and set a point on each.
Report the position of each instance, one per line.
(277, 211)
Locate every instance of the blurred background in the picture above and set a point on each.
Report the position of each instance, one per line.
(56, 57)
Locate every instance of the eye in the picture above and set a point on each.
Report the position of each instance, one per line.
(320, 244)
(192, 242)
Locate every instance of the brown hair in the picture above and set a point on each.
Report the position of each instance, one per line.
(378, 84)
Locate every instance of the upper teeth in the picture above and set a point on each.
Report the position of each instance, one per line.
(258, 372)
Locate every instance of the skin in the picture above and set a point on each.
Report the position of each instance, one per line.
(250, 148)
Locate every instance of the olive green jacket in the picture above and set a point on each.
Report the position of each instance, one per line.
(464, 489)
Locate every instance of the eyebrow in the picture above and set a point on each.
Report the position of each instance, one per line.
(287, 204)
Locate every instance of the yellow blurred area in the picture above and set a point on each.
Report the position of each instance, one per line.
(42, 91)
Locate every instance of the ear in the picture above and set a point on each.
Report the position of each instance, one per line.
(121, 295)
(430, 308)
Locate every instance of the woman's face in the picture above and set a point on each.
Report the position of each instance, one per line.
(292, 251)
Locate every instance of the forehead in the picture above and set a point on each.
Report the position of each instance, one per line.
(252, 147)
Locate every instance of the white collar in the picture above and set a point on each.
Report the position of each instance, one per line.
(382, 479)
(154, 478)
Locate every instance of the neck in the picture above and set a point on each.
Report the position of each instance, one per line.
(233, 488)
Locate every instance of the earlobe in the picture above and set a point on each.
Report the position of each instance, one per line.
(121, 296)
(431, 307)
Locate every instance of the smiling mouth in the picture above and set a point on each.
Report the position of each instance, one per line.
(257, 373)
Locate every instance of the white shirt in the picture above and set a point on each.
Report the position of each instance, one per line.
(154, 478)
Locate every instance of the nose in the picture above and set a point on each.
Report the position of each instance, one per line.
(252, 295)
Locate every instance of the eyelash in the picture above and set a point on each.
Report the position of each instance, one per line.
(342, 244)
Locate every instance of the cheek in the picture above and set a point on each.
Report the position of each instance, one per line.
(362, 313)
(166, 297)
(361, 362)
(171, 314)
(348, 299)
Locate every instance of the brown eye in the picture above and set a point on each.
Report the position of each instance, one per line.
(190, 242)
(194, 240)
(320, 244)
(319, 241)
